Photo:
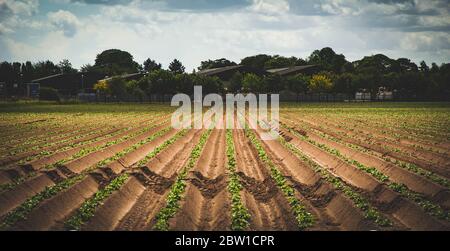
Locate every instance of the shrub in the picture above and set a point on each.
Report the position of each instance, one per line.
(48, 93)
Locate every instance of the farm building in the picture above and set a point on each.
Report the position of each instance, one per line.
(384, 94)
(363, 95)
(293, 70)
(131, 76)
(224, 73)
(70, 83)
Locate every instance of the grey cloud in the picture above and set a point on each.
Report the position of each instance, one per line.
(188, 5)
(65, 21)
(103, 2)
(202, 5)
(307, 7)
(5, 11)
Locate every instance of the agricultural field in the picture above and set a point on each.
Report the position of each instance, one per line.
(336, 166)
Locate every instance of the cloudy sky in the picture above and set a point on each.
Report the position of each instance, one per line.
(195, 30)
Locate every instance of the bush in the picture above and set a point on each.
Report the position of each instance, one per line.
(47, 93)
(320, 83)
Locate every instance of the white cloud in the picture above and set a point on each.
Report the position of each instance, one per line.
(273, 7)
(12, 13)
(271, 27)
(65, 21)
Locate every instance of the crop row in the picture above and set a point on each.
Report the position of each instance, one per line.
(22, 211)
(428, 206)
(178, 188)
(239, 213)
(303, 217)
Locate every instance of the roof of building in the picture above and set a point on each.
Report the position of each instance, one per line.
(289, 70)
(48, 77)
(70, 75)
(213, 71)
(124, 76)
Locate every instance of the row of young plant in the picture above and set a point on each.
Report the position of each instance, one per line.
(304, 218)
(422, 145)
(83, 152)
(239, 213)
(21, 212)
(177, 190)
(88, 208)
(74, 145)
(402, 164)
(48, 144)
(417, 131)
(370, 213)
(405, 165)
(10, 137)
(428, 206)
(49, 141)
(387, 144)
(390, 141)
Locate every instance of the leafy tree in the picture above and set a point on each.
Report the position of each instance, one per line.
(133, 89)
(256, 63)
(405, 65)
(161, 81)
(376, 64)
(151, 65)
(235, 83)
(424, 67)
(115, 62)
(328, 59)
(298, 84)
(320, 83)
(273, 83)
(7, 73)
(28, 71)
(184, 83)
(434, 68)
(117, 87)
(343, 83)
(280, 62)
(87, 68)
(45, 68)
(66, 66)
(176, 67)
(210, 64)
(252, 83)
(209, 84)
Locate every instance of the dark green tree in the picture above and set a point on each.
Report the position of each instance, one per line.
(328, 59)
(151, 65)
(115, 62)
(66, 67)
(210, 64)
(176, 67)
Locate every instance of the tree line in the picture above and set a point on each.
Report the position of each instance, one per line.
(337, 75)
